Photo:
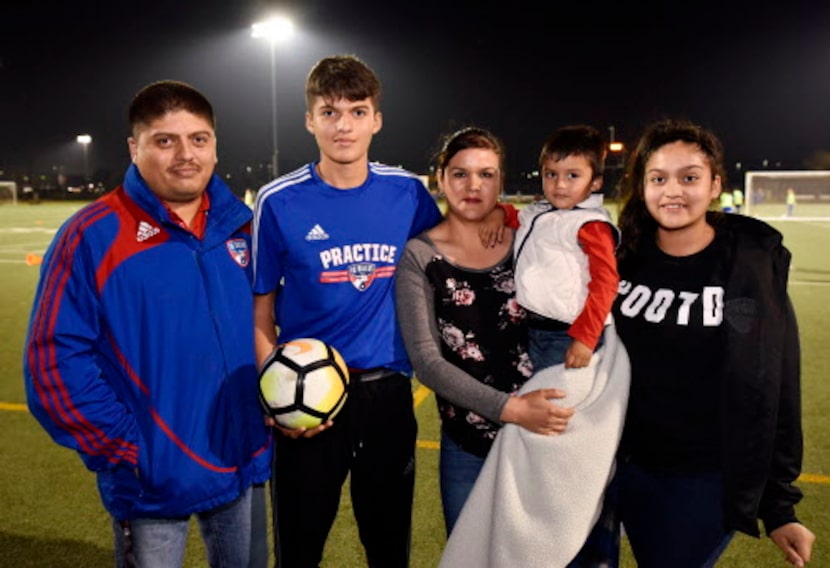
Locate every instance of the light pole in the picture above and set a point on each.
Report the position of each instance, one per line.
(84, 140)
(618, 148)
(275, 29)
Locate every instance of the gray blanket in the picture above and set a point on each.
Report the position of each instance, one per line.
(538, 497)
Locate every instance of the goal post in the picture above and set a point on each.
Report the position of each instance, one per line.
(796, 194)
(8, 192)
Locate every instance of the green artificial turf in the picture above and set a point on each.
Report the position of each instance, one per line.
(50, 514)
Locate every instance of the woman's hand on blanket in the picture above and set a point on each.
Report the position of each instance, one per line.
(536, 411)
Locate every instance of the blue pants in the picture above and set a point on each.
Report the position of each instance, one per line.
(259, 527)
(602, 547)
(161, 543)
(459, 470)
(547, 348)
(672, 520)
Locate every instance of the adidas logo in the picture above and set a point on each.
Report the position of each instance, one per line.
(317, 234)
(146, 231)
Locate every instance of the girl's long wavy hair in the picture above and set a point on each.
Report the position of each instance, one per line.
(635, 222)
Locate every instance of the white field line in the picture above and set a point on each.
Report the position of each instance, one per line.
(23, 245)
(808, 283)
(24, 230)
(821, 221)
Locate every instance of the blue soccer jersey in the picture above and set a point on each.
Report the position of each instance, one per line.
(332, 253)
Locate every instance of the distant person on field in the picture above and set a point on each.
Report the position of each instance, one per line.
(140, 351)
(712, 441)
(249, 197)
(738, 199)
(791, 201)
(756, 195)
(727, 202)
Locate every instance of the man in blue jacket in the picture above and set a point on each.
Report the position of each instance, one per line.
(140, 350)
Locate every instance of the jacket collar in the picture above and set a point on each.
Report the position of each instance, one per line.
(227, 212)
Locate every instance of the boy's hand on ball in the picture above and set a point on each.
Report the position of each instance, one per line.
(310, 433)
(291, 433)
(298, 432)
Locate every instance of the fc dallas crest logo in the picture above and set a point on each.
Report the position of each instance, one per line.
(239, 251)
(361, 275)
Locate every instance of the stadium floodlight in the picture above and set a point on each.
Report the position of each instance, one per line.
(84, 140)
(275, 29)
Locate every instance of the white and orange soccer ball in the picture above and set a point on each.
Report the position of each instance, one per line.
(303, 383)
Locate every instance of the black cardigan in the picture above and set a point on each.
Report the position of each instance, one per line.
(760, 399)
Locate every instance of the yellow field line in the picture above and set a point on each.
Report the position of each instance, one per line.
(814, 478)
(422, 392)
(420, 395)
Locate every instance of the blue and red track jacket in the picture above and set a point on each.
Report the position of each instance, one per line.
(140, 352)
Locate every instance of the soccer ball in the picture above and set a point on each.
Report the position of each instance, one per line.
(303, 383)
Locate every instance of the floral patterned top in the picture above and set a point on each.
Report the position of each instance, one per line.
(483, 332)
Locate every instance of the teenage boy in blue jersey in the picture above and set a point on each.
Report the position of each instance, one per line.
(327, 240)
(140, 354)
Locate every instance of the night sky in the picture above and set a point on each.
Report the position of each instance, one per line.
(759, 75)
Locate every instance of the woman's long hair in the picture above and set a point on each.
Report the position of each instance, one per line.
(635, 222)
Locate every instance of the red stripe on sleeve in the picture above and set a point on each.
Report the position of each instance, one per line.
(43, 357)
